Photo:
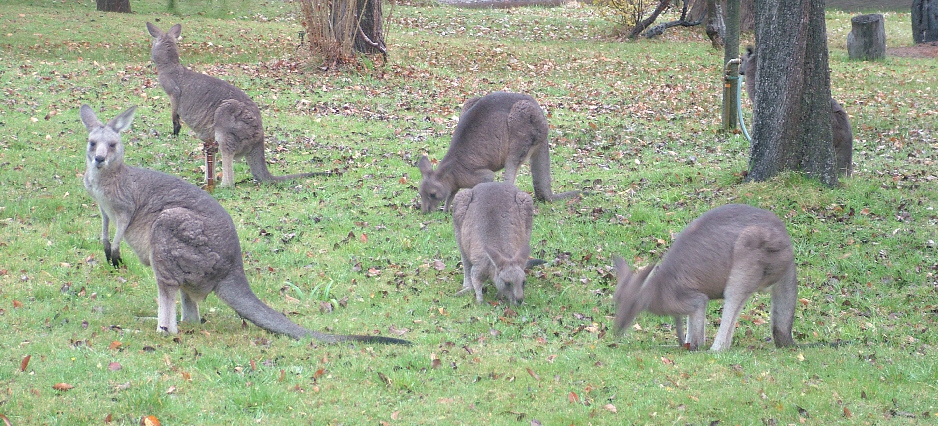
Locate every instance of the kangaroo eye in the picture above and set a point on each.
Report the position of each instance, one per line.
(112, 145)
(91, 144)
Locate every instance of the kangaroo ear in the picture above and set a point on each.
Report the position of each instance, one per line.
(154, 30)
(424, 166)
(122, 121)
(87, 116)
(469, 103)
(175, 31)
(497, 259)
(750, 50)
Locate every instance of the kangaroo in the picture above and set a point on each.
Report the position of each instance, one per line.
(499, 130)
(728, 253)
(180, 231)
(224, 117)
(842, 135)
(492, 222)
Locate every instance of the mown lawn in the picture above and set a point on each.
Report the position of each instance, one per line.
(633, 123)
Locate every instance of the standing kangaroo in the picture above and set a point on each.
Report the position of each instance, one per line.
(224, 117)
(492, 223)
(728, 253)
(180, 231)
(499, 130)
(841, 137)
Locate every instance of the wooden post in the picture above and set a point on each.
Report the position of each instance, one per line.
(867, 38)
(731, 72)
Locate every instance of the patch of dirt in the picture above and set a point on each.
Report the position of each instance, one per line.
(922, 50)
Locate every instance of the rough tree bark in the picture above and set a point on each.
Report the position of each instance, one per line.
(716, 29)
(867, 38)
(730, 52)
(122, 6)
(792, 112)
(924, 21)
(370, 36)
(363, 28)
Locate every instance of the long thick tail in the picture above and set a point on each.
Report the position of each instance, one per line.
(239, 296)
(540, 174)
(258, 164)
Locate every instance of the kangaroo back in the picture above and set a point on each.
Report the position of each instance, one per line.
(498, 131)
(727, 253)
(492, 223)
(180, 231)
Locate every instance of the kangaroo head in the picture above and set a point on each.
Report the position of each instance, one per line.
(164, 44)
(432, 190)
(509, 279)
(627, 298)
(104, 142)
(747, 65)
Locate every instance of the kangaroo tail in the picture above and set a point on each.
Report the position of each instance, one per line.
(540, 175)
(258, 164)
(297, 176)
(534, 262)
(239, 296)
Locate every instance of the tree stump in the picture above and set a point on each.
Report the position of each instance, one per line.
(924, 21)
(867, 38)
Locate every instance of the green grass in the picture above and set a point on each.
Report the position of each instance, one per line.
(635, 123)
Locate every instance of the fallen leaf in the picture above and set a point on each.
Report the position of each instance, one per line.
(149, 421)
(533, 374)
(847, 413)
(114, 345)
(384, 378)
(62, 387)
(666, 361)
(172, 389)
(364, 238)
(25, 362)
(573, 397)
(114, 366)
(108, 418)
(6, 421)
(17, 304)
(610, 408)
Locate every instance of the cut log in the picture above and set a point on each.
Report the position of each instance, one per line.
(867, 38)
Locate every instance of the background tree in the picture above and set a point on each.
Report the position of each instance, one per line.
(122, 6)
(791, 109)
(337, 30)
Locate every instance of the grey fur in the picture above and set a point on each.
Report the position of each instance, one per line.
(842, 135)
(498, 131)
(728, 253)
(216, 110)
(180, 231)
(492, 223)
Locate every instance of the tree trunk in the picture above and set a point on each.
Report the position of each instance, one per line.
(924, 21)
(122, 6)
(645, 23)
(716, 29)
(792, 110)
(867, 38)
(731, 77)
(699, 9)
(370, 36)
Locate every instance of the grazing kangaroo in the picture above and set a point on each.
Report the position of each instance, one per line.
(224, 117)
(180, 231)
(728, 253)
(499, 130)
(492, 223)
(842, 135)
